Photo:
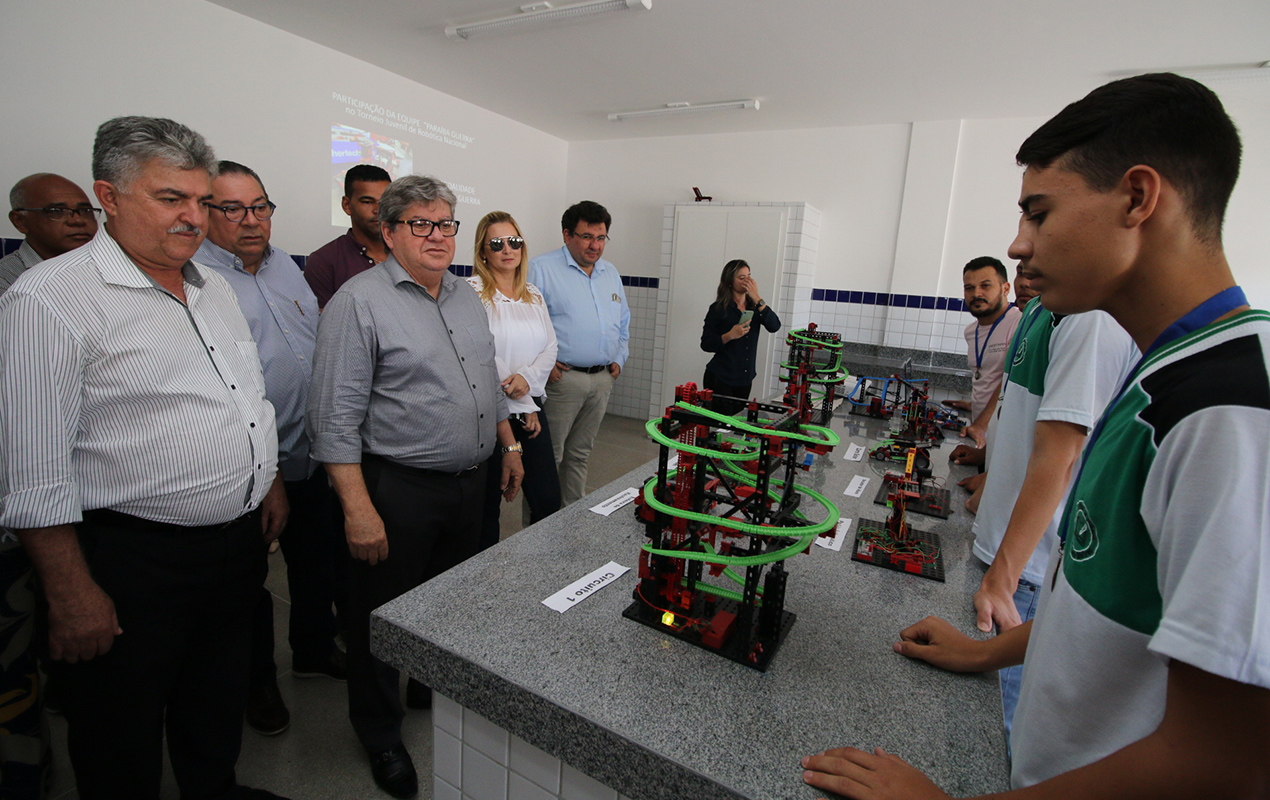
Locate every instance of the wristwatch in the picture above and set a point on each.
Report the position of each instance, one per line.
(516, 448)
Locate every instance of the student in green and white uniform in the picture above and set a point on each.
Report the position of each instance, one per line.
(1060, 374)
(1147, 671)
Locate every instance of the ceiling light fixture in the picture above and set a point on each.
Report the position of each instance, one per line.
(1205, 72)
(683, 108)
(543, 12)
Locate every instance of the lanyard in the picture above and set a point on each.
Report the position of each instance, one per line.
(980, 353)
(1203, 315)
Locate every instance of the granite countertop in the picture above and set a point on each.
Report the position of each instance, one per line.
(656, 718)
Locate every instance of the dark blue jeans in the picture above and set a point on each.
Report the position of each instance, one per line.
(541, 486)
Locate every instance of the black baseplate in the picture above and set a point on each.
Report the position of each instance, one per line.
(933, 502)
(874, 545)
(739, 647)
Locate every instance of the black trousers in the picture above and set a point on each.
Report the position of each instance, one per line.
(541, 486)
(724, 392)
(183, 598)
(316, 554)
(433, 523)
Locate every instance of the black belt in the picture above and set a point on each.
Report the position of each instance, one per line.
(435, 473)
(118, 519)
(590, 370)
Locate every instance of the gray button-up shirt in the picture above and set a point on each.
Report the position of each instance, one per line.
(403, 376)
(283, 315)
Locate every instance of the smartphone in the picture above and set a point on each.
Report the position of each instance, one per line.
(746, 316)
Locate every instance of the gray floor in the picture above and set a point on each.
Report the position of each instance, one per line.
(319, 758)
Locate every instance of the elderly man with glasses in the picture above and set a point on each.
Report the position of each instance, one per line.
(55, 217)
(283, 314)
(404, 411)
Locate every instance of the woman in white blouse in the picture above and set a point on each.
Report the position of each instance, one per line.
(525, 352)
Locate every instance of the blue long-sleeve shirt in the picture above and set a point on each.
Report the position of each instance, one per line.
(283, 315)
(589, 313)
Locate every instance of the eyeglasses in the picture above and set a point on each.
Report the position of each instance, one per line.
(423, 227)
(588, 238)
(514, 242)
(236, 213)
(56, 213)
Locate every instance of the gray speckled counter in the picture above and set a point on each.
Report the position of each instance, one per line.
(656, 718)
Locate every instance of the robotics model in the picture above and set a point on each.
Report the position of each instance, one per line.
(893, 543)
(729, 509)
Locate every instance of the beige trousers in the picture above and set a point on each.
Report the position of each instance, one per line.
(575, 407)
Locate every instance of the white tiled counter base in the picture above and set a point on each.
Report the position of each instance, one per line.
(474, 759)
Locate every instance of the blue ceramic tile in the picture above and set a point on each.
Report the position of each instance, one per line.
(870, 298)
(941, 302)
(928, 302)
(831, 295)
(817, 294)
(899, 300)
(914, 301)
(653, 283)
(956, 305)
(854, 297)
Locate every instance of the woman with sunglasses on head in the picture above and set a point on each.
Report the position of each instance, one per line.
(730, 333)
(525, 351)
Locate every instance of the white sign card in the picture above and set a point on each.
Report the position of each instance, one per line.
(855, 452)
(856, 488)
(839, 536)
(584, 587)
(615, 502)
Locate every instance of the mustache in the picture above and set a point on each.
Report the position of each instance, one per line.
(183, 227)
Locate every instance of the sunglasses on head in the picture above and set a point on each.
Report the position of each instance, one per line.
(496, 244)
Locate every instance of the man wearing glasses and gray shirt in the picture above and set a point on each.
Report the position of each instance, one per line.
(404, 410)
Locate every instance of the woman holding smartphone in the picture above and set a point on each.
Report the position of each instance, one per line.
(525, 352)
(730, 333)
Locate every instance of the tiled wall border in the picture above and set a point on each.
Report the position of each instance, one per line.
(474, 759)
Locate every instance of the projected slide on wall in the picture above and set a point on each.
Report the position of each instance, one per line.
(351, 146)
(385, 137)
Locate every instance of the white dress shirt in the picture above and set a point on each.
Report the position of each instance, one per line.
(524, 342)
(114, 394)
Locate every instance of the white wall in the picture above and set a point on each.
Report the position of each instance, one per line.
(260, 96)
(855, 176)
(904, 206)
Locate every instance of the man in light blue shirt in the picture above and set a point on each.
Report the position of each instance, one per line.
(283, 315)
(593, 326)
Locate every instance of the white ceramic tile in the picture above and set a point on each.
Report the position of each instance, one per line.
(519, 788)
(444, 791)
(576, 786)
(534, 764)
(447, 715)
(482, 778)
(447, 758)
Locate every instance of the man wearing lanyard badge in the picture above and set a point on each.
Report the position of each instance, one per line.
(1148, 665)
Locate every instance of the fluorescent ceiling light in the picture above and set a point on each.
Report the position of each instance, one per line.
(1205, 72)
(683, 108)
(542, 13)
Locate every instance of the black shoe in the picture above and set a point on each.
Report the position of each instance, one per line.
(266, 713)
(418, 696)
(394, 772)
(333, 666)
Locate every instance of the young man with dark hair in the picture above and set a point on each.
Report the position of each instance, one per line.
(1148, 666)
(588, 308)
(328, 267)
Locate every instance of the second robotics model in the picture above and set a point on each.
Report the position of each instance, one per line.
(729, 508)
(893, 543)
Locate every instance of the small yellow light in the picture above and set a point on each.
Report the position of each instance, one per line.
(668, 619)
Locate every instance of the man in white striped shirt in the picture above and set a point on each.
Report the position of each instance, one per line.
(138, 457)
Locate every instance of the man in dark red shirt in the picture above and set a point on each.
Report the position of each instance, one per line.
(359, 249)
